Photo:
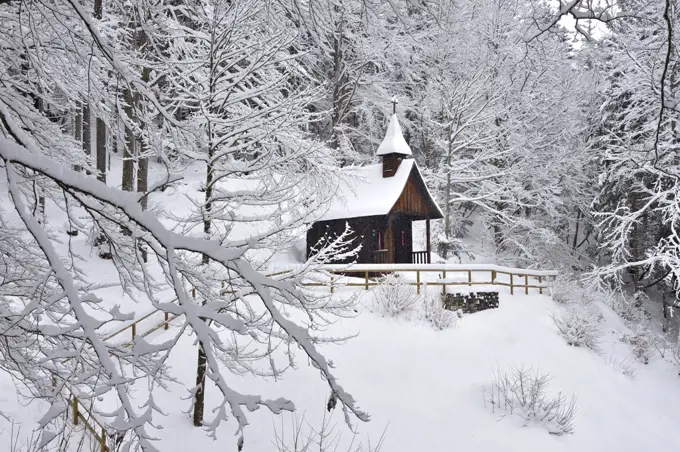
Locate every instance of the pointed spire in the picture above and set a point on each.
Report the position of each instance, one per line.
(394, 142)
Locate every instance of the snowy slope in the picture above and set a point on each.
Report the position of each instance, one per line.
(427, 387)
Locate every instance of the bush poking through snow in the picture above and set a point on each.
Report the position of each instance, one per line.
(524, 392)
(395, 296)
(630, 309)
(566, 290)
(301, 436)
(436, 315)
(579, 325)
(622, 366)
(642, 342)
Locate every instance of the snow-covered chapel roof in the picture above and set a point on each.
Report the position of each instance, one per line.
(364, 192)
(394, 141)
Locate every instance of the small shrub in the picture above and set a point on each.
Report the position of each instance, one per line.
(622, 366)
(436, 315)
(579, 325)
(676, 355)
(394, 296)
(630, 309)
(524, 392)
(302, 436)
(642, 342)
(566, 290)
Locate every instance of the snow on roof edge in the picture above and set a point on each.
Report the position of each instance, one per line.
(370, 194)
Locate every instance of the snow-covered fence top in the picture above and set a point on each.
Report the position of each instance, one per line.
(431, 274)
(434, 268)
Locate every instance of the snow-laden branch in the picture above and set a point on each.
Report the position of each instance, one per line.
(231, 259)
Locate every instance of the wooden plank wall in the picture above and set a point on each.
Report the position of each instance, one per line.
(414, 199)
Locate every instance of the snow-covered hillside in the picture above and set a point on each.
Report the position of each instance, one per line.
(425, 389)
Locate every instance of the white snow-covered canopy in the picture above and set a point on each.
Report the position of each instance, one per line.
(364, 191)
(394, 142)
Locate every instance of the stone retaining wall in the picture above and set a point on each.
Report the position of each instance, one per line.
(471, 302)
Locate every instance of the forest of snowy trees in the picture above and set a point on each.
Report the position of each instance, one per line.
(550, 126)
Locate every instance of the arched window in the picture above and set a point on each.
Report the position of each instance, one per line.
(403, 238)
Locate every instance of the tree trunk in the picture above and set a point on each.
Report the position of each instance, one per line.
(40, 197)
(338, 80)
(129, 149)
(578, 223)
(86, 131)
(199, 401)
(78, 129)
(143, 157)
(102, 155)
(128, 181)
(209, 177)
(447, 195)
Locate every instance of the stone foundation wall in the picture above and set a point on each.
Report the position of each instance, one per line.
(471, 302)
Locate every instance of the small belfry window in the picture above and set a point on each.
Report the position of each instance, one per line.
(380, 240)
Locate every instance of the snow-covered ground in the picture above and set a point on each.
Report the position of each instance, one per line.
(425, 389)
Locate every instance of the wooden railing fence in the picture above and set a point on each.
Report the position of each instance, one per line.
(91, 424)
(98, 431)
(419, 257)
(517, 279)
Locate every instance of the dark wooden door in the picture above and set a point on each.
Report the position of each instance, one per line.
(390, 239)
(403, 240)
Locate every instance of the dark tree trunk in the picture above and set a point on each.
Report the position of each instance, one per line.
(86, 130)
(208, 200)
(78, 129)
(199, 401)
(129, 150)
(142, 158)
(102, 155)
(128, 181)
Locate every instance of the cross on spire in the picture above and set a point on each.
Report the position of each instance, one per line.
(394, 105)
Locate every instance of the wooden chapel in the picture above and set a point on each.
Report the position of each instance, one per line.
(380, 205)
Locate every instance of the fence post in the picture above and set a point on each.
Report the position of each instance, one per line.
(418, 282)
(493, 276)
(134, 331)
(512, 287)
(75, 410)
(332, 289)
(366, 280)
(103, 441)
(193, 292)
(540, 283)
(444, 283)
(469, 277)
(166, 320)
(526, 284)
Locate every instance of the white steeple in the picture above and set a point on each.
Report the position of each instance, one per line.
(394, 142)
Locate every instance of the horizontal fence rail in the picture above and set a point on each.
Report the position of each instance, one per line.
(514, 278)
